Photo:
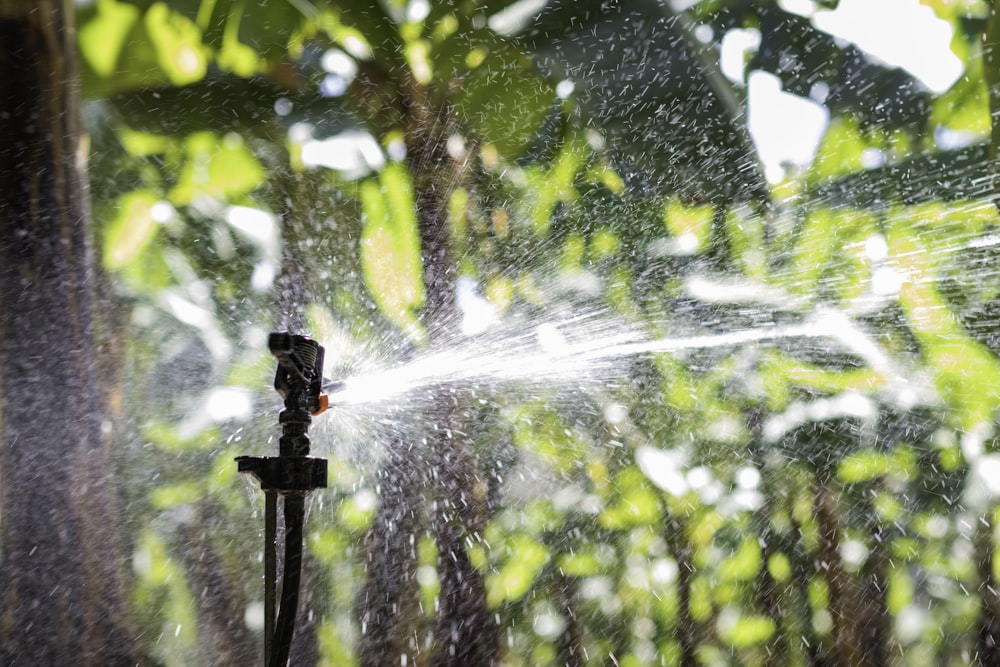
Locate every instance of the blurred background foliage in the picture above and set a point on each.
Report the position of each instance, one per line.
(346, 167)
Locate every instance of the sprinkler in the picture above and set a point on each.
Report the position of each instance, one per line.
(293, 474)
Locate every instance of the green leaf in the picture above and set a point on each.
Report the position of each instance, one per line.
(219, 168)
(418, 57)
(335, 648)
(693, 223)
(161, 590)
(102, 37)
(547, 436)
(604, 243)
(251, 369)
(165, 497)
(743, 565)
(148, 273)
(701, 603)
(964, 370)
(581, 564)
(525, 560)
(178, 44)
(900, 590)
(356, 512)
(966, 105)
(812, 250)
(780, 567)
(235, 56)
(783, 372)
(547, 187)
(126, 61)
(866, 465)
(327, 545)
(746, 238)
(224, 476)
(390, 247)
(142, 144)
(638, 505)
(746, 630)
(169, 438)
(839, 151)
(132, 230)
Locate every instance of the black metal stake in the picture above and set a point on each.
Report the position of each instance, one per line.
(270, 569)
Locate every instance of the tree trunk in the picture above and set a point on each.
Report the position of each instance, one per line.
(467, 635)
(875, 619)
(685, 628)
(433, 473)
(389, 602)
(843, 605)
(61, 599)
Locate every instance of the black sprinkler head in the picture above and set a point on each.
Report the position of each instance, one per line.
(299, 380)
(299, 377)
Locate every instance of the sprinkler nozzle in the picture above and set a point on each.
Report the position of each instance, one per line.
(299, 376)
(331, 388)
(323, 403)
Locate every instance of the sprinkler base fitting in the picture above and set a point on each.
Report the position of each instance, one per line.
(285, 474)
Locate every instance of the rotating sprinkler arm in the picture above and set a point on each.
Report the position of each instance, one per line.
(299, 377)
(293, 474)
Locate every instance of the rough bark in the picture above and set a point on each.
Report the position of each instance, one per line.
(292, 288)
(467, 635)
(389, 600)
(686, 629)
(442, 472)
(876, 621)
(61, 598)
(844, 605)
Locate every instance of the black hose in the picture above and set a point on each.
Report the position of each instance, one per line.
(285, 626)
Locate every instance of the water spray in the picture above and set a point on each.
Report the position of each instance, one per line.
(293, 474)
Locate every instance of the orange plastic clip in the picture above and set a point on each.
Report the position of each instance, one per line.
(324, 403)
